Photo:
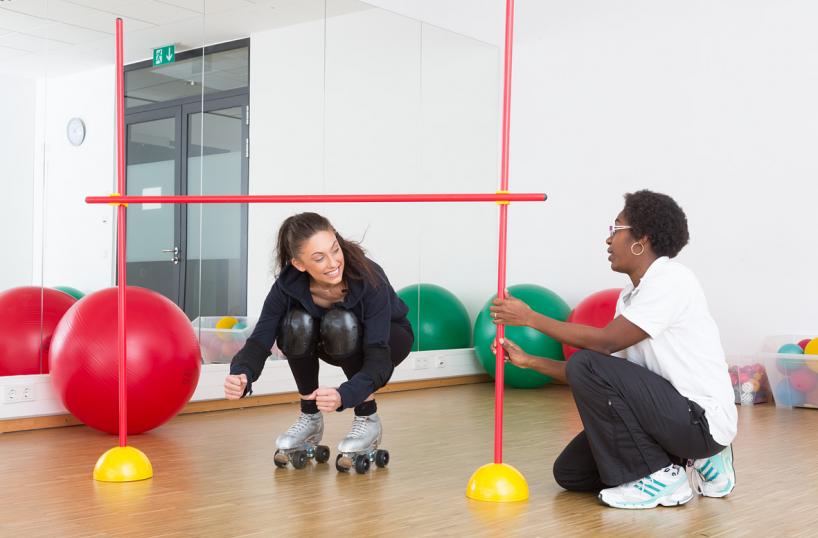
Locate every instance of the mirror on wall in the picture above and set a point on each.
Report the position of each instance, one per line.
(57, 70)
(315, 96)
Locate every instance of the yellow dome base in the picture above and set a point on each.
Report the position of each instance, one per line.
(123, 464)
(497, 482)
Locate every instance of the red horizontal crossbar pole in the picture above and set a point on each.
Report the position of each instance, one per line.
(316, 198)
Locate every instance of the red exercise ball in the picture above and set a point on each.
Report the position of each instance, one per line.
(596, 310)
(28, 316)
(163, 360)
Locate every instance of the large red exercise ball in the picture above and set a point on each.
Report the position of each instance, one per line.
(28, 316)
(541, 300)
(439, 320)
(163, 360)
(596, 310)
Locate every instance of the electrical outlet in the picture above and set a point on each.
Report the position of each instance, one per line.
(421, 363)
(18, 393)
(11, 395)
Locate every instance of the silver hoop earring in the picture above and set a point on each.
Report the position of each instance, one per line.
(640, 252)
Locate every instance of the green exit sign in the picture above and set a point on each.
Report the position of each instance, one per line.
(164, 55)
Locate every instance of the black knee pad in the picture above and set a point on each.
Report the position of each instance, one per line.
(299, 334)
(340, 334)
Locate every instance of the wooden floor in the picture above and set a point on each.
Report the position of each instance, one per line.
(214, 477)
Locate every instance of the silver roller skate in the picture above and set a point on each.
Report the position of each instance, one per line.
(360, 447)
(299, 443)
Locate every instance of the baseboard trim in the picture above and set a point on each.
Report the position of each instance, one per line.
(206, 406)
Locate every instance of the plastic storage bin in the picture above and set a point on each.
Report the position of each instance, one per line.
(220, 345)
(793, 377)
(749, 378)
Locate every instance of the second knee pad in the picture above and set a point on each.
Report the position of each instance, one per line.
(299, 334)
(340, 333)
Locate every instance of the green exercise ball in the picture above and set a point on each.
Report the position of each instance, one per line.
(73, 292)
(438, 318)
(545, 302)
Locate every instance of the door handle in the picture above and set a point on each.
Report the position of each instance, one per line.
(175, 251)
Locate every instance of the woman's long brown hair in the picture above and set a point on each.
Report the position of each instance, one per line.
(297, 229)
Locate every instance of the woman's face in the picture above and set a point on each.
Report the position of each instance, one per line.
(321, 257)
(619, 246)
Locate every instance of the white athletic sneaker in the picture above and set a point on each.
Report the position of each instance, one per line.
(668, 487)
(715, 476)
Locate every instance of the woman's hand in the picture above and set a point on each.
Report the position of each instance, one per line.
(511, 311)
(328, 399)
(513, 353)
(234, 386)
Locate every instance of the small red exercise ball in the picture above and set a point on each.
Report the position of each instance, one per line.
(596, 310)
(163, 360)
(28, 316)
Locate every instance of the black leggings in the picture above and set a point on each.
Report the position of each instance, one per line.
(305, 369)
(635, 423)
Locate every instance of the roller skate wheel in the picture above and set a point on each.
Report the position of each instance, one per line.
(280, 459)
(381, 458)
(322, 454)
(299, 459)
(361, 464)
(343, 463)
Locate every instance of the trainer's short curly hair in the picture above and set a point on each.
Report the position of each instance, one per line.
(658, 217)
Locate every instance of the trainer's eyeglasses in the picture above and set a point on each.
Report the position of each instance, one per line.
(615, 228)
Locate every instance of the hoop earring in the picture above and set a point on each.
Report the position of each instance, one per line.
(640, 252)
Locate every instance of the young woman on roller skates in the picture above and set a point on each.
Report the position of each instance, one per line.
(329, 302)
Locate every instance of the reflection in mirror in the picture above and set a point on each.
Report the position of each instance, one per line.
(57, 145)
(191, 75)
(153, 254)
(25, 45)
(372, 101)
(176, 148)
(216, 283)
(309, 96)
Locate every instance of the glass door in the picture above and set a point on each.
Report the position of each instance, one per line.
(216, 234)
(154, 238)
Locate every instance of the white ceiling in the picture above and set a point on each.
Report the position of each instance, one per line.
(52, 37)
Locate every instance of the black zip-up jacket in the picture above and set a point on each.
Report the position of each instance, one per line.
(376, 306)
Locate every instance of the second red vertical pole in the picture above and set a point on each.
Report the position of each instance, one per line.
(120, 223)
(501, 259)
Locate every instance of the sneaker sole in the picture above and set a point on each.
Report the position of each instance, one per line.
(719, 494)
(676, 499)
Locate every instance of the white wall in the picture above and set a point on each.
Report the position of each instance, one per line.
(78, 237)
(16, 180)
(711, 102)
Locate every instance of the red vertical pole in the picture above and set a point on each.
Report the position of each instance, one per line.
(501, 263)
(507, 92)
(120, 223)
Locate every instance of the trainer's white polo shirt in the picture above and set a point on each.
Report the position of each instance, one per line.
(684, 345)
